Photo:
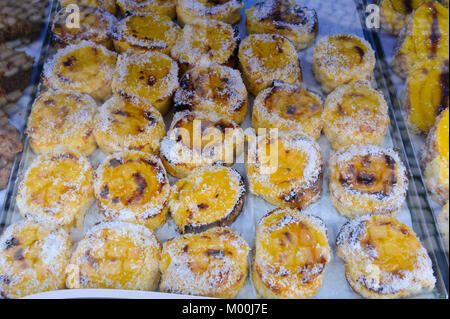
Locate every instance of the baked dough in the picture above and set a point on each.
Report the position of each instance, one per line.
(162, 7)
(108, 5)
(228, 11)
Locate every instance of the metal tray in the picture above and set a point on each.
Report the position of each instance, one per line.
(343, 16)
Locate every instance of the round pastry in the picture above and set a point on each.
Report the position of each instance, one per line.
(162, 7)
(121, 125)
(299, 24)
(61, 117)
(288, 107)
(95, 24)
(291, 254)
(57, 188)
(116, 255)
(85, 67)
(204, 42)
(150, 77)
(132, 186)
(426, 93)
(355, 114)
(213, 88)
(211, 196)
(383, 258)
(436, 160)
(33, 259)
(425, 36)
(196, 139)
(228, 11)
(395, 13)
(291, 175)
(212, 264)
(443, 225)
(341, 59)
(108, 5)
(265, 58)
(367, 179)
(146, 32)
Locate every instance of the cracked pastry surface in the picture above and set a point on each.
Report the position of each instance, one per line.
(228, 11)
(162, 7)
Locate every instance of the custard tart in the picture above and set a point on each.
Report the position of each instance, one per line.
(367, 179)
(424, 37)
(355, 114)
(123, 125)
(285, 170)
(288, 107)
(150, 77)
(291, 254)
(86, 67)
(132, 186)
(108, 5)
(95, 24)
(146, 32)
(211, 264)
(206, 41)
(384, 259)
(211, 196)
(161, 7)
(394, 14)
(33, 259)
(228, 11)
(443, 225)
(214, 88)
(61, 117)
(341, 59)
(426, 93)
(196, 139)
(299, 24)
(57, 188)
(116, 255)
(268, 58)
(435, 159)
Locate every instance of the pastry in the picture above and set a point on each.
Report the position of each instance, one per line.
(210, 196)
(108, 5)
(341, 59)
(132, 186)
(265, 58)
(15, 70)
(61, 117)
(10, 145)
(291, 254)
(57, 188)
(215, 88)
(162, 7)
(228, 11)
(384, 259)
(394, 14)
(367, 179)
(212, 264)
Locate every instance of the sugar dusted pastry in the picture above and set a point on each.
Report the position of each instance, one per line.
(132, 186)
(299, 24)
(215, 88)
(367, 179)
(228, 11)
(384, 258)
(146, 32)
(288, 107)
(108, 5)
(150, 77)
(206, 41)
(435, 159)
(85, 67)
(341, 59)
(443, 225)
(394, 14)
(291, 254)
(210, 196)
(116, 255)
(162, 7)
(33, 258)
(128, 125)
(265, 58)
(289, 174)
(196, 139)
(95, 24)
(57, 188)
(61, 117)
(355, 114)
(212, 264)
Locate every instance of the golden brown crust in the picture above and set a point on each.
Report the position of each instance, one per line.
(227, 11)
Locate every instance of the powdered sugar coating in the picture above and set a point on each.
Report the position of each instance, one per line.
(206, 9)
